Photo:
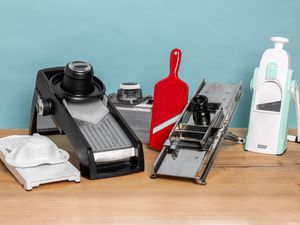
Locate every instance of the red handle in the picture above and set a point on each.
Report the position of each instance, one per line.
(175, 59)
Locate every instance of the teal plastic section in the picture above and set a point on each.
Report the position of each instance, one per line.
(285, 106)
(271, 71)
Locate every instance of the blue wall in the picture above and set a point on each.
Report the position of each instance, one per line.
(130, 41)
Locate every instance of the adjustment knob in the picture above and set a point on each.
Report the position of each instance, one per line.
(279, 42)
(78, 78)
(130, 86)
(43, 106)
(130, 92)
(201, 114)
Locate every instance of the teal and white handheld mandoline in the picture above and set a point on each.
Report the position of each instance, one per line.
(272, 87)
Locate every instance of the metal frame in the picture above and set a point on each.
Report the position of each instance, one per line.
(208, 142)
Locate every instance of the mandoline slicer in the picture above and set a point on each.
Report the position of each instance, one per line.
(195, 140)
(170, 98)
(70, 100)
(134, 108)
(272, 87)
(33, 175)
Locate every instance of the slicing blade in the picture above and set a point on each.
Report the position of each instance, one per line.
(270, 106)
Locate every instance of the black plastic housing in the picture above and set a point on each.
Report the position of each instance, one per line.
(66, 125)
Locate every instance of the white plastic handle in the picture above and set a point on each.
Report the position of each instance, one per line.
(279, 42)
(130, 86)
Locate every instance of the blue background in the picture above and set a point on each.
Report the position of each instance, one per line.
(130, 40)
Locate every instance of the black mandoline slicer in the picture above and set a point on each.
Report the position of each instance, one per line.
(70, 100)
(194, 142)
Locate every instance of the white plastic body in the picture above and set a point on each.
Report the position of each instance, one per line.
(34, 176)
(29, 151)
(267, 131)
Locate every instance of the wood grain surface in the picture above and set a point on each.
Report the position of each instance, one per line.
(243, 188)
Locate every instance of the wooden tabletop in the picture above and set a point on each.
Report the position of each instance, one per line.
(243, 188)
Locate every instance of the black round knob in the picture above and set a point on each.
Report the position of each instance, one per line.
(130, 92)
(201, 114)
(43, 106)
(78, 78)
